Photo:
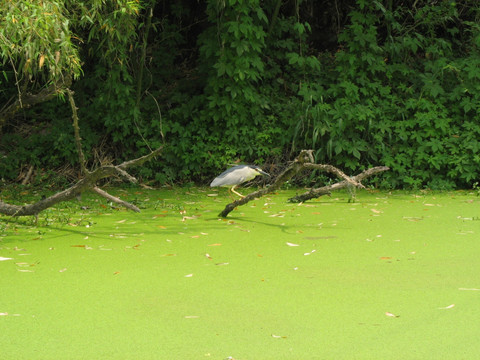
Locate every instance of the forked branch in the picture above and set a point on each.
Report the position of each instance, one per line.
(88, 182)
(304, 161)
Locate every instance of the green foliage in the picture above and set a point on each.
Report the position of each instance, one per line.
(394, 99)
(396, 84)
(36, 39)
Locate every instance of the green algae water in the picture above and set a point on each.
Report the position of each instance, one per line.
(391, 276)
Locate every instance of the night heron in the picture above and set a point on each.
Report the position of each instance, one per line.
(237, 175)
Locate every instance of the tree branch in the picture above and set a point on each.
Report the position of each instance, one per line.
(295, 167)
(27, 100)
(76, 129)
(325, 190)
(302, 162)
(86, 183)
(115, 199)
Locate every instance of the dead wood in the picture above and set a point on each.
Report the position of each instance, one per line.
(88, 182)
(326, 190)
(304, 161)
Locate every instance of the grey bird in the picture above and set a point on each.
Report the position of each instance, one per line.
(237, 175)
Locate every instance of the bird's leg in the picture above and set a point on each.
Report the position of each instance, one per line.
(236, 192)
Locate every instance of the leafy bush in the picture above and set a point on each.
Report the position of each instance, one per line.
(252, 81)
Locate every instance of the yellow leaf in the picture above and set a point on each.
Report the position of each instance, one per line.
(41, 61)
(391, 315)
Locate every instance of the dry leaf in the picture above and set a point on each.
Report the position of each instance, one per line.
(447, 307)
(469, 289)
(291, 244)
(214, 245)
(189, 275)
(4, 258)
(376, 211)
(391, 315)
(41, 61)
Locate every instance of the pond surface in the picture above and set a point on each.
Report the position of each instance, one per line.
(391, 276)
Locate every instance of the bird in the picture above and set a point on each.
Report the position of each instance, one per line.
(237, 175)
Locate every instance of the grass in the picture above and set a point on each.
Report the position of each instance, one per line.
(393, 275)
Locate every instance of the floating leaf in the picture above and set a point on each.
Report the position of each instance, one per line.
(385, 258)
(188, 275)
(376, 211)
(121, 221)
(469, 289)
(214, 245)
(447, 307)
(391, 315)
(4, 258)
(278, 336)
(291, 244)
(62, 270)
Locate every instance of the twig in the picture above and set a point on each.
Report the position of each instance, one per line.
(115, 199)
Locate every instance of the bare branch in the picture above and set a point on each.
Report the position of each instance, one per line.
(115, 199)
(325, 190)
(76, 129)
(292, 169)
(86, 183)
(302, 162)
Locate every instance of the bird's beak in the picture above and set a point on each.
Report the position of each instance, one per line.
(263, 172)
